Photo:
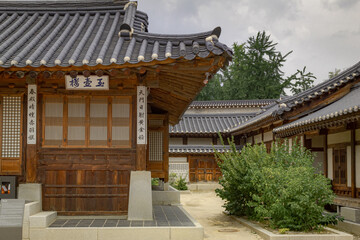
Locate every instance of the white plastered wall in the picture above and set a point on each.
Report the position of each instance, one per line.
(177, 159)
(317, 141)
(341, 137)
(348, 165)
(357, 134)
(257, 138)
(176, 141)
(200, 141)
(268, 136)
(357, 164)
(330, 161)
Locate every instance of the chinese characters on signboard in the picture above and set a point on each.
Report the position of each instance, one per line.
(92, 82)
(141, 115)
(31, 114)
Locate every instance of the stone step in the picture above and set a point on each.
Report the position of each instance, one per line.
(42, 219)
(31, 208)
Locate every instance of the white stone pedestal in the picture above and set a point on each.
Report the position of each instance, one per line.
(30, 192)
(140, 196)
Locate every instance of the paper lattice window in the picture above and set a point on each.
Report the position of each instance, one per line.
(155, 146)
(11, 127)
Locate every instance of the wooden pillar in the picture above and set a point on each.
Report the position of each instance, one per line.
(166, 148)
(324, 132)
(140, 157)
(353, 161)
(141, 123)
(31, 115)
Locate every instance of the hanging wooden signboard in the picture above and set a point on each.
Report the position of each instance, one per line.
(141, 115)
(92, 82)
(31, 114)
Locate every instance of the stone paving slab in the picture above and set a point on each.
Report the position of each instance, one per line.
(164, 216)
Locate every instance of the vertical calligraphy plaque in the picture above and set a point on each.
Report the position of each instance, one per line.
(141, 115)
(31, 114)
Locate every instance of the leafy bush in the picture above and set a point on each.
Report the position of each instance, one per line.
(177, 182)
(281, 186)
(154, 181)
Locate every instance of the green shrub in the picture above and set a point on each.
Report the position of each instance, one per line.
(154, 181)
(177, 182)
(281, 186)
(181, 184)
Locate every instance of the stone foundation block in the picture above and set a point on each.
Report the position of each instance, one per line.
(350, 214)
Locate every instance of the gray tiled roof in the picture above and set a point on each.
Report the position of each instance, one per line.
(288, 103)
(208, 123)
(343, 107)
(91, 33)
(231, 103)
(179, 149)
(308, 95)
(268, 112)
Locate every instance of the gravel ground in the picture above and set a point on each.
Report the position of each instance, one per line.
(206, 208)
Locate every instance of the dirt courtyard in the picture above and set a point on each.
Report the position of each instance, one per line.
(206, 208)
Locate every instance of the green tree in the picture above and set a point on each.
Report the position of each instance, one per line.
(255, 73)
(213, 90)
(334, 73)
(301, 81)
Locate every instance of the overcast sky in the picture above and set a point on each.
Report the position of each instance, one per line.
(323, 34)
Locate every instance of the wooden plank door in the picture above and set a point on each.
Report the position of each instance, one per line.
(203, 168)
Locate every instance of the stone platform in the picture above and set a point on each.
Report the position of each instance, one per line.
(163, 216)
(169, 223)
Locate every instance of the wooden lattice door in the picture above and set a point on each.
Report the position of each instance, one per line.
(340, 166)
(157, 160)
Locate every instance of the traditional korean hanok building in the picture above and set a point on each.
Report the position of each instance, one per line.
(325, 119)
(194, 138)
(87, 95)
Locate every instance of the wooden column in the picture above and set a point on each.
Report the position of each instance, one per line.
(31, 115)
(141, 123)
(140, 157)
(353, 161)
(166, 148)
(324, 132)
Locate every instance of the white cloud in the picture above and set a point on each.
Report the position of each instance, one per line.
(322, 34)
